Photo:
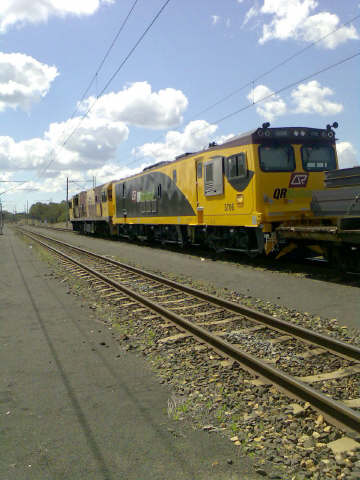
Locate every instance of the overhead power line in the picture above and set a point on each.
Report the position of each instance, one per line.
(275, 67)
(250, 83)
(133, 49)
(95, 76)
(286, 87)
(108, 83)
(276, 92)
(220, 100)
(15, 187)
(113, 76)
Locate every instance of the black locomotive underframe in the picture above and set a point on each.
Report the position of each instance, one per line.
(217, 238)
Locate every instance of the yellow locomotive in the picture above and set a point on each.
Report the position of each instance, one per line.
(232, 196)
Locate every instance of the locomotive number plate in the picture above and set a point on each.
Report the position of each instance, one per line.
(229, 207)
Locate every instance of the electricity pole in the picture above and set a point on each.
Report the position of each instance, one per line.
(1, 193)
(1, 219)
(67, 202)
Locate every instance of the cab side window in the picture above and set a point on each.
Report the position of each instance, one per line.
(236, 167)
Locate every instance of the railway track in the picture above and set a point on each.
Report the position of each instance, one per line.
(58, 229)
(317, 266)
(309, 366)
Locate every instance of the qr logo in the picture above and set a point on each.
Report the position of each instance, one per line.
(298, 180)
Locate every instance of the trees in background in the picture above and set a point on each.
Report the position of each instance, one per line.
(42, 212)
(9, 217)
(48, 212)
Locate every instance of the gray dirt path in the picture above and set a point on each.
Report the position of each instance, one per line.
(75, 406)
(330, 300)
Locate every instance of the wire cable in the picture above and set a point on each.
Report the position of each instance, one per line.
(275, 67)
(95, 76)
(15, 187)
(219, 101)
(286, 87)
(262, 75)
(108, 83)
(113, 76)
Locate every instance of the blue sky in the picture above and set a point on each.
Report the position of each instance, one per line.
(196, 53)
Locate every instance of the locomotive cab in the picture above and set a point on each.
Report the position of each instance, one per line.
(291, 164)
(258, 181)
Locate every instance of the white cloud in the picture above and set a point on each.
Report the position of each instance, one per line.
(293, 19)
(321, 24)
(195, 137)
(23, 80)
(55, 182)
(308, 97)
(224, 138)
(22, 155)
(288, 16)
(94, 141)
(93, 145)
(311, 98)
(215, 19)
(269, 109)
(138, 105)
(112, 171)
(21, 12)
(252, 12)
(347, 155)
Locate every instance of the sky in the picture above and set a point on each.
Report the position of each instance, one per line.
(103, 88)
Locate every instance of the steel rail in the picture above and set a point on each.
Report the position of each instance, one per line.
(346, 350)
(56, 229)
(334, 411)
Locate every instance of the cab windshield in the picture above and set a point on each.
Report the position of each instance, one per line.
(318, 158)
(277, 158)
